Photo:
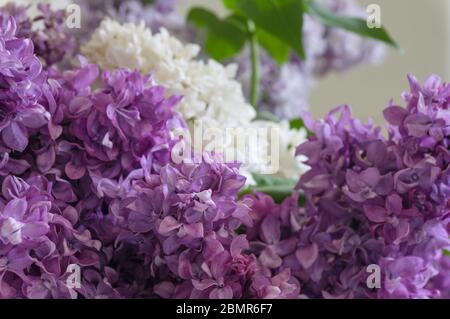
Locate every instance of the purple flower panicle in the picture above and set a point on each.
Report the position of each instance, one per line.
(376, 200)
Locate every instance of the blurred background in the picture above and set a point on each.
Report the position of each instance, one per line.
(422, 28)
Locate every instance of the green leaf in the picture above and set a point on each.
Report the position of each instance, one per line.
(225, 38)
(355, 25)
(296, 123)
(230, 4)
(277, 49)
(283, 19)
(446, 253)
(277, 188)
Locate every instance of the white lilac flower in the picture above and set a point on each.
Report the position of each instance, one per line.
(290, 166)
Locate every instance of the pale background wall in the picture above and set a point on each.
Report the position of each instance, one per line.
(421, 27)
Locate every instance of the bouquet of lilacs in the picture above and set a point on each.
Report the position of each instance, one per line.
(95, 202)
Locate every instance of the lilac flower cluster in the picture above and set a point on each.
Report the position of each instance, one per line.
(88, 181)
(39, 234)
(21, 81)
(52, 41)
(172, 234)
(58, 138)
(39, 239)
(371, 200)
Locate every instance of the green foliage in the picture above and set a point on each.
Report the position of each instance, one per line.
(275, 25)
(225, 37)
(296, 123)
(355, 25)
(281, 19)
(276, 48)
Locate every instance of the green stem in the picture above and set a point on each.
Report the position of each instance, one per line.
(254, 49)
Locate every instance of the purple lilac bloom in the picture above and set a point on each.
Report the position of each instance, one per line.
(52, 41)
(20, 15)
(372, 200)
(159, 14)
(92, 13)
(93, 185)
(272, 241)
(37, 242)
(174, 232)
(52, 155)
(21, 79)
(344, 50)
(127, 119)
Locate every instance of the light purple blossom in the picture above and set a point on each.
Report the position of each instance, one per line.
(164, 219)
(21, 79)
(372, 200)
(37, 242)
(53, 42)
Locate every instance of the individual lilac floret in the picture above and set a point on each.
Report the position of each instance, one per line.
(372, 200)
